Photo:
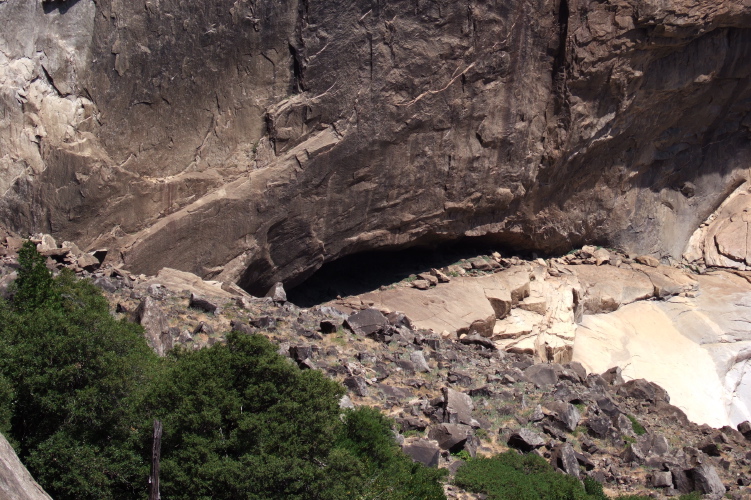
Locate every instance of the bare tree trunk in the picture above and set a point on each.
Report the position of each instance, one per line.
(156, 451)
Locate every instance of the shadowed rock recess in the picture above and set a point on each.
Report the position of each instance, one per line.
(254, 140)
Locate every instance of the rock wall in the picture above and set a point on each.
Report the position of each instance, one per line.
(253, 140)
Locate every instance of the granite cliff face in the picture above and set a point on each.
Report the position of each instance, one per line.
(251, 140)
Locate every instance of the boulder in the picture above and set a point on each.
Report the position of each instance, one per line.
(607, 288)
(264, 322)
(525, 440)
(204, 304)
(46, 243)
(662, 479)
(643, 390)
(302, 352)
(481, 264)
(277, 293)
(366, 322)
(646, 446)
(432, 280)
(602, 256)
(155, 324)
(648, 260)
(411, 424)
(357, 385)
(564, 458)
(450, 436)
(440, 276)
(613, 376)
(423, 451)
(565, 413)
(421, 284)
(457, 407)
(87, 261)
(203, 327)
(500, 301)
(329, 326)
(707, 481)
(745, 429)
(542, 374)
(241, 327)
(475, 339)
(681, 480)
(419, 362)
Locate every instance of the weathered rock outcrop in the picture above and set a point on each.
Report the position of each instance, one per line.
(15, 481)
(254, 140)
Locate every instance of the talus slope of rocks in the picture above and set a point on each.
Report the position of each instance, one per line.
(464, 394)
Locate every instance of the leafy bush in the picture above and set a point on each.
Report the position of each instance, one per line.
(593, 488)
(239, 418)
(387, 472)
(74, 375)
(511, 476)
(241, 421)
(639, 429)
(519, 477)
(34, 285)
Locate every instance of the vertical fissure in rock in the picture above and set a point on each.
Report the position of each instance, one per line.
(297, 76)
(296, 49)
(559, 64)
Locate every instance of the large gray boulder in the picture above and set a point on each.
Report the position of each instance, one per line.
(155, 324)
(450, 436)
(525, 440)
(457, 407)
(366, 322)
(707, 481)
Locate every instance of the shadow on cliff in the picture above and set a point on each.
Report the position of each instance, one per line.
(364, 272)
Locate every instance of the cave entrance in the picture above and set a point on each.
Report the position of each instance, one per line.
(368, 271)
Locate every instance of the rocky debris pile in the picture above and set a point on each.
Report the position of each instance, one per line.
(452, 398)
(457, 396)
(65, 255)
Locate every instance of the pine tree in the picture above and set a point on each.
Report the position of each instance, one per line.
(34, 285)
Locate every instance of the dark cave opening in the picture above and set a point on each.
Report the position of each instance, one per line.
(61, 6)
(367, 271)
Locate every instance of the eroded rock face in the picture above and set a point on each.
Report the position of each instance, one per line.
(15, 481)
(255, 140)
(696, 348)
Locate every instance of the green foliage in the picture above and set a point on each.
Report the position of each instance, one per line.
(73, 373)
(519, 477)
(385, 471)
(593, 488)
(691, 496)
(240, 418)
(79, 392)
(7, 395)
(34, 285)
(511, 476)
(463, 455)
(639, 429)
